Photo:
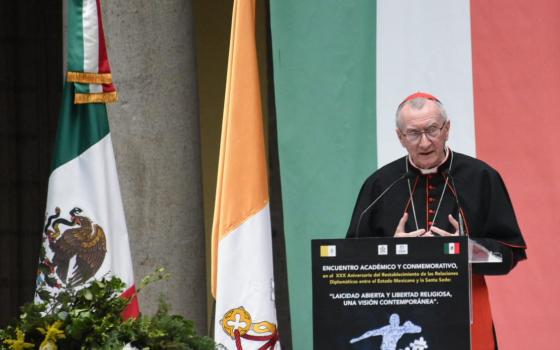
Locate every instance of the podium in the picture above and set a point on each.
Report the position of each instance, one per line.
(394, 293)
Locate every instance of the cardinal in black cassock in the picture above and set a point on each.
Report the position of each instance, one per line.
(434, 191)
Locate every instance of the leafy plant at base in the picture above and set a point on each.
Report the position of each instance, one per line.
(90, 318)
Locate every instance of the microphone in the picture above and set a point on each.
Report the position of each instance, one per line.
(409, 174)
(447, 174)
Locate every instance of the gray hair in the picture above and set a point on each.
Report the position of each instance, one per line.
(418, 103)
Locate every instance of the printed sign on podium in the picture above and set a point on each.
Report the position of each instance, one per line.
(391, 294)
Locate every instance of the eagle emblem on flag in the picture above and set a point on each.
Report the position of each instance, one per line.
(75, 250)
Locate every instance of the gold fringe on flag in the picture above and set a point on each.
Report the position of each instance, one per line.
(89, 78)
(102, 97)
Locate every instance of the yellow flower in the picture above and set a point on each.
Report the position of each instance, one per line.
(18, 343)
(52, 334)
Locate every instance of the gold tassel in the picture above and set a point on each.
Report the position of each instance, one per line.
(89, 78)
(102, 97)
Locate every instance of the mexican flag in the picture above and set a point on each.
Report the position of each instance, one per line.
(85, 235)
(452, 248)
(340, 71)
(242, 273)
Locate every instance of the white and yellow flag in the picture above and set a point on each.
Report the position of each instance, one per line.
(242, 273)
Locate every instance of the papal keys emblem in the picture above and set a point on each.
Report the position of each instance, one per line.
(238, 325)
(73, 250)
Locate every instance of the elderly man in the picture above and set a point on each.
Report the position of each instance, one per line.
(434, 191)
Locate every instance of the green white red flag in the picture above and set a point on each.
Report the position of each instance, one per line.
(85, 235)
(88, 63)
(452, 248)
(341, 69)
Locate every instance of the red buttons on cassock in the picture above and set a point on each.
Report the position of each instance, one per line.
(431, 199)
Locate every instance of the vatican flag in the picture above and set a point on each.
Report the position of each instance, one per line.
(242, 273)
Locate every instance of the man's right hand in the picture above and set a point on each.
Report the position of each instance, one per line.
(400, 232)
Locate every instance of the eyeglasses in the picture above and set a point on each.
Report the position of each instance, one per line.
(432, 133)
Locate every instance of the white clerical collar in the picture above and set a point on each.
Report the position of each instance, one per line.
(431, 170)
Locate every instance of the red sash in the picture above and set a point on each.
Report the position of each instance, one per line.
(481, 329)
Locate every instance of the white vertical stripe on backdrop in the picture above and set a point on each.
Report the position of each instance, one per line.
(424, 46)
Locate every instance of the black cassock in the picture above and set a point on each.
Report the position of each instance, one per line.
(463, 181)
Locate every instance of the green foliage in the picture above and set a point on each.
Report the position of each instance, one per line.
(164, 331)
(90, 318)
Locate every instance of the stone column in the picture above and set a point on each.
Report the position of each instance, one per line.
(155, 131)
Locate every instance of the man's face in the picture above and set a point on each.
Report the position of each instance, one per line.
(426, 152)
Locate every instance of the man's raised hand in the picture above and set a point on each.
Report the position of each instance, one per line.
(437, 231)
(400, 232)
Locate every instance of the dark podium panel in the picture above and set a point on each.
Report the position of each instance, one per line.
(391, 294)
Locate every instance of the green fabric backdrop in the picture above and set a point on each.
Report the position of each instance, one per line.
(324, 79)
